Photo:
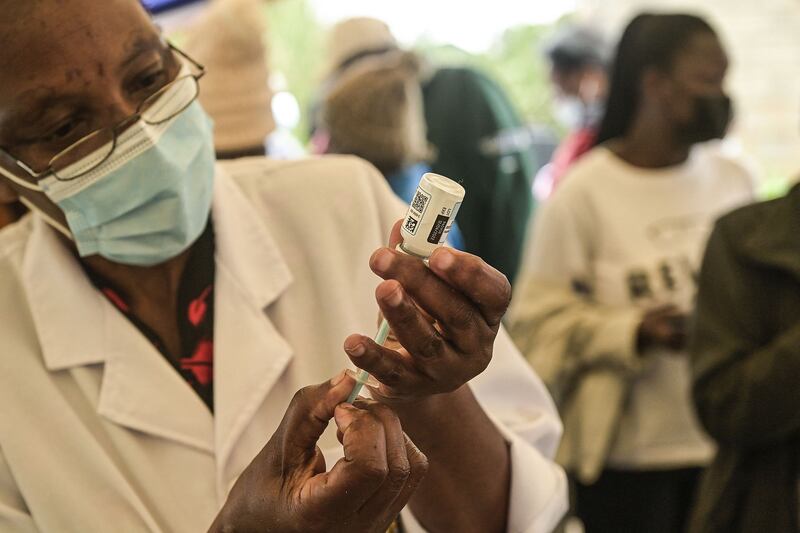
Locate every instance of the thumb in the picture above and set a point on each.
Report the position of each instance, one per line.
(308, 415)
(395, 237)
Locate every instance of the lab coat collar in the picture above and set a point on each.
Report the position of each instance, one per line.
(68, 312)
(64, 301)
(77, 326)
(245, 248)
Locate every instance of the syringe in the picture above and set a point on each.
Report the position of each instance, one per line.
(425, 227)
(363, 376)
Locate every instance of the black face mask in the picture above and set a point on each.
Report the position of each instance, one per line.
(712, 116)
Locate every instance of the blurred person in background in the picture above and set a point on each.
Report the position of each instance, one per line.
(601, 310)
(347, 42)
(229, 41)
(578, 58)
(468, 118)
(374, 110)
(745, 348)
(470, 121)
(163, 314)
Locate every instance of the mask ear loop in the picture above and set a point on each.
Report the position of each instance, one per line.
(27, 203)
(21, 182)
(47, 218)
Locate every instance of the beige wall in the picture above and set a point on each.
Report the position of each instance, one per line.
(763, 38)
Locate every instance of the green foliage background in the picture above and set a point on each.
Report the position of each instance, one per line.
(297, 42)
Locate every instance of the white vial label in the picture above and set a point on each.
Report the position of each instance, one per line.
(431, 214)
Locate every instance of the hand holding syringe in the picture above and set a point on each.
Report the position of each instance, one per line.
(425, 228)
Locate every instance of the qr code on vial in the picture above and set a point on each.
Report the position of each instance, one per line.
(411, 225)
(420, 201)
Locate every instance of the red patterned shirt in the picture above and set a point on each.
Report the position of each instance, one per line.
(195, 317)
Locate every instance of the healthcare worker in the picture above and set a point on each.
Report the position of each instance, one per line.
(159, 314)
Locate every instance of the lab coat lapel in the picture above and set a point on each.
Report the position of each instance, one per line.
(142, 391)
(77, 326)
(250, 355)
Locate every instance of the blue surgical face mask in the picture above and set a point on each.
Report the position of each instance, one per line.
(150, 200)
(569, 112)
(573, 113)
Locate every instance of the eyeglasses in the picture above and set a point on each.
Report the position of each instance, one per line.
(95, 148)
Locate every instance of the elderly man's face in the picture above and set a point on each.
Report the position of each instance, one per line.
(69, 67)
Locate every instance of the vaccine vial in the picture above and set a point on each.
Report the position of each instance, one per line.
(425, 227)
(430, 215)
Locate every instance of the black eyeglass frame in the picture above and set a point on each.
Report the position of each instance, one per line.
(121, 126)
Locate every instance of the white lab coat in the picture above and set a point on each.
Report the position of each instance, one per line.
(99, 433)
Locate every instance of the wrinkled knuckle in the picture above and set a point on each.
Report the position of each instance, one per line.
(504, 293)
(486, 357)
(398, 476)
(405, 268)
(392, 376)
(419, 472)
(435, 345)
(463, 316)
(405, 318)
(419, 465)
(472, 269)
(366, 422)
(481, 361)
(374, 471)
(382, 411)
(487, 338)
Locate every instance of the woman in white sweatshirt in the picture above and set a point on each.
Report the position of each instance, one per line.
(611, 276)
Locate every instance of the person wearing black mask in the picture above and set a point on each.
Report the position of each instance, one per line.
(601, 310)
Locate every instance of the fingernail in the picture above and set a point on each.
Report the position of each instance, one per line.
(395, 297)
(382, 260)
(356, 351)
(339, 378)
(444, 259)
(343, 415)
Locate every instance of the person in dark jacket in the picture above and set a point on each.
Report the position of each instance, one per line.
(746, 365)
(470, 119)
